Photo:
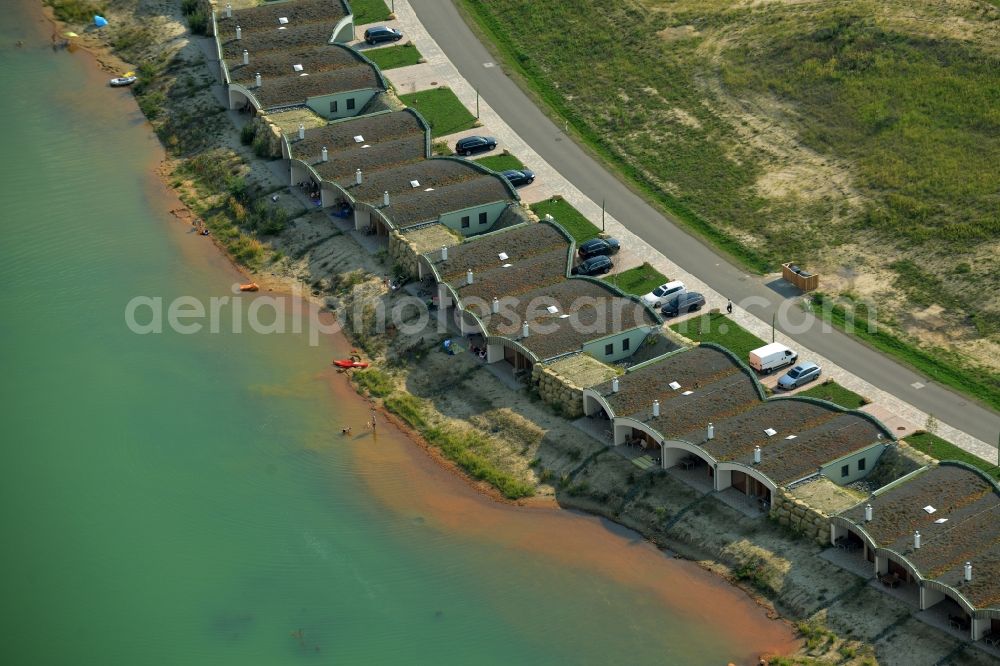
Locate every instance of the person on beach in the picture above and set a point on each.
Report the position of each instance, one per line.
(729, 306)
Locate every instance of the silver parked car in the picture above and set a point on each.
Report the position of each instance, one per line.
(803, 373)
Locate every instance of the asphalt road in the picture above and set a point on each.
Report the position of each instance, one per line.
(462, 47)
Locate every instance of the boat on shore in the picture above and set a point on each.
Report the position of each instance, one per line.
(123, 81)
(252, 286)
(349, 363)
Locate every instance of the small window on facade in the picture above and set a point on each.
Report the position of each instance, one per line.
(333, 106)
(350, 103)
(626, 343)
(845, 470)
(861, 464)
(609, 349)
(482, 218)
(465, 222)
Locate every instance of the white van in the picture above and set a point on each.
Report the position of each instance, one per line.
(770, 357)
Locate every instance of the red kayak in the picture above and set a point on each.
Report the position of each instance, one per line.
(349, 363)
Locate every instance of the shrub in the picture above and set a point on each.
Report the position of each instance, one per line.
(261, 147)
(248, 134)
(198, 22)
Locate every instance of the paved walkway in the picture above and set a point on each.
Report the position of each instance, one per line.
(438, 70)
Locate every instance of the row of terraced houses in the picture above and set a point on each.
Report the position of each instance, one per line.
(931, 532)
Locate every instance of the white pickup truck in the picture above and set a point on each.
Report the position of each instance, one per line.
(770, 357)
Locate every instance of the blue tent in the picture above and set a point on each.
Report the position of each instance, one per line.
(100, 21)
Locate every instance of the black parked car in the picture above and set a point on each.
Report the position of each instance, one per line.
(598, 265)
(381, 33)
(689, 301)
(596, 246)
(475, 144)
(519, 177)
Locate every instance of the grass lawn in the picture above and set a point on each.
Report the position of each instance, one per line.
(938, 448)
(501, 162)
(639, 280)
(369, 11)
(834, 392)
(394, 56)
(441, 109)
(720, 329)
(579, 227)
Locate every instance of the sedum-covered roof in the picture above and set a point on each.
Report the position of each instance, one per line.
(276, 64)
(398, 180)
(312, 35)
(421, 206)
(969, 505)
(821, 434)
(586, 310)
(483, 252)
(266, 17)
(341, 165)
(340, 135)
(296, 89)
(693, 369)
(716, 401)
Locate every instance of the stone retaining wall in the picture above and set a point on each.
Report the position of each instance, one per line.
(802, 518)
(269, 133)
(403, 254)
(563, 395)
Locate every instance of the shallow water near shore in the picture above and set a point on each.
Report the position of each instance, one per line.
(189, 499)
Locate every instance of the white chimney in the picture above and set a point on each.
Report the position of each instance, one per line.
(656, 408)
(246, 57)
(614, 385)
(302, 131)
(257, 78)
(495, 308)
(229, 10)
(385, 198)
(868, 513)
(444, 253)
(524, 330)
(239, 33)
(916, 540)
(756, 455)
(324, 155)
(968, 571)
(711, 431)
(468, 276)
(357, 176)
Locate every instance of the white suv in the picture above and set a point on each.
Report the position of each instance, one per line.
(661, 294)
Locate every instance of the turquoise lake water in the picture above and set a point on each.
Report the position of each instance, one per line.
(188, 499)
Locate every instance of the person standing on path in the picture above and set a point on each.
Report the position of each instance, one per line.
(729, 306)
